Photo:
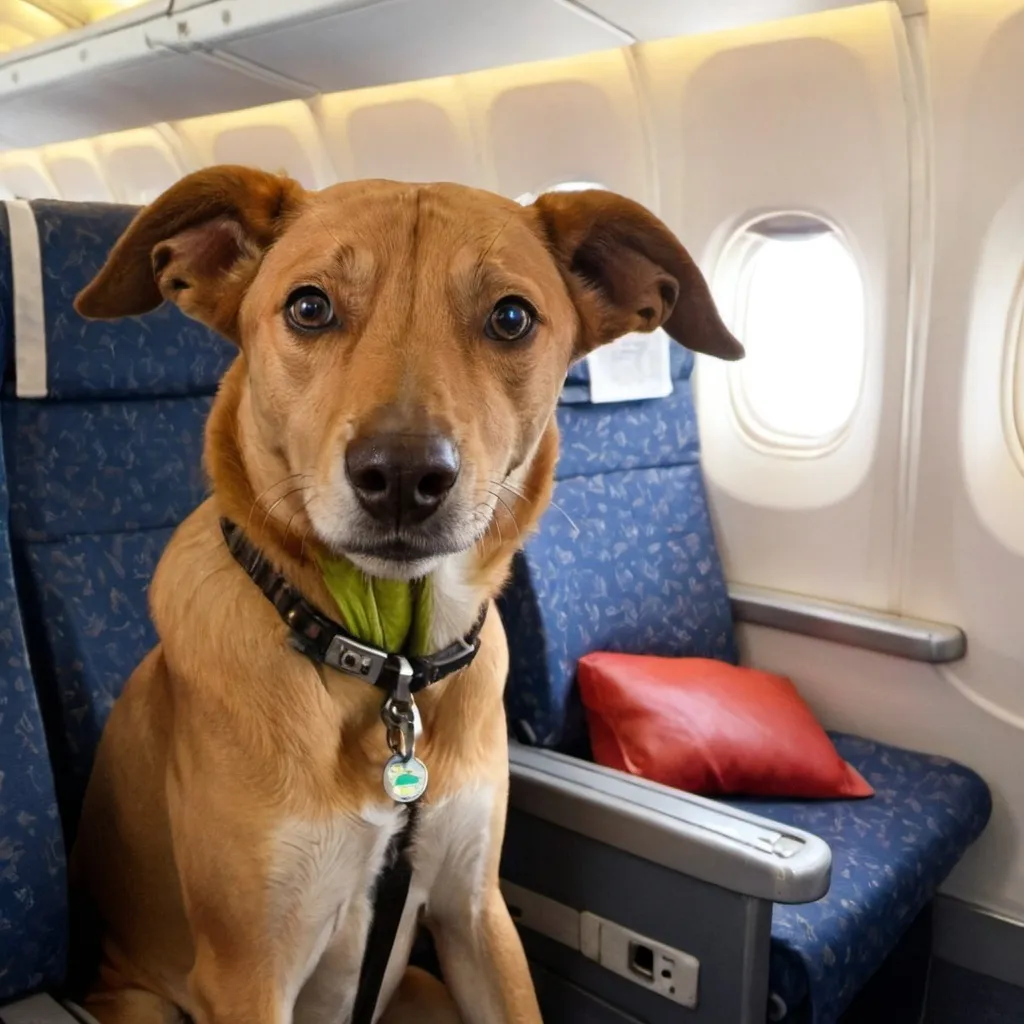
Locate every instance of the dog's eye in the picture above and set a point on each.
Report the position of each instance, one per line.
(511, 320)
(310, 310)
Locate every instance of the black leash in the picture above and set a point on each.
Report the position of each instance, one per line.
(388, 906)
(405, 777)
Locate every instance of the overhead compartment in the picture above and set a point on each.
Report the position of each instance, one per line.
(230, 54)
(159, 61)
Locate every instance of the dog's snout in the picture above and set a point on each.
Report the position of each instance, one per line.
(402, 479)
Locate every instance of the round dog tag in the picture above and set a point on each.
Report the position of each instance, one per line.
(405, 781)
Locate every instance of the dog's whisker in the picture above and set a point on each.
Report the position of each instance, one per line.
(554, 504)
(511, 514)
(302, 546)
(517, 491)
(486, 520)
(270, 511)
(259, 498)
(568, 518)
(302, 508)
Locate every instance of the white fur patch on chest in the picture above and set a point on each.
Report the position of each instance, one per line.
(455, 604)
(321, 890)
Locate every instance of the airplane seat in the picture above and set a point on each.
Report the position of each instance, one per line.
(33, 876)
(627, 562)
(103, 431)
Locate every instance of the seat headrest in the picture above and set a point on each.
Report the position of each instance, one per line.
(577, 383)
(56, 248)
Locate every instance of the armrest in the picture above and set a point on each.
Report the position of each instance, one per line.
(898, 635)
(688, 834)
(39, 1009)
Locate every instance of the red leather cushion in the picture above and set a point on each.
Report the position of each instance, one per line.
(710, 728)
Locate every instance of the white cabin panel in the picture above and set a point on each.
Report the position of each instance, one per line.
(24, 176)
(282, 137)
(412, 132)
(141, 163)
(747, 152)
(576, 120)
(77, 172)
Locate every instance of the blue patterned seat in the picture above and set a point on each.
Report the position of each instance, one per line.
(102, 469)
(637, 571)
(33, 895)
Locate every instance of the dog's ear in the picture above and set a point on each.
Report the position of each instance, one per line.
(627, 272)
(198, 245)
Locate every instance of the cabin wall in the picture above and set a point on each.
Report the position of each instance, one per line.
(852, 183)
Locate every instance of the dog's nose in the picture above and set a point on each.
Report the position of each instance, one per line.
(402, 478)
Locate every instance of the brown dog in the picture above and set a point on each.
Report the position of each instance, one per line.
(402, 352)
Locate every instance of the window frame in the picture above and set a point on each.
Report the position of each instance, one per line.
(731, 278)
(1013, 377)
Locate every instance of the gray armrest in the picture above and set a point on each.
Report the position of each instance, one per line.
(898, 635)
(37, 1010)
(689, 834)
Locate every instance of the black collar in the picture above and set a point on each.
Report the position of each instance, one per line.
(323, 640)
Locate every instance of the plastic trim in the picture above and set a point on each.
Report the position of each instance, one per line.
(689, 834)
(871, 630)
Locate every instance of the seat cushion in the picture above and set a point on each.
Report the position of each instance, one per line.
(890, 855)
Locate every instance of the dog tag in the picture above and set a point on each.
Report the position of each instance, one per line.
(405, 781)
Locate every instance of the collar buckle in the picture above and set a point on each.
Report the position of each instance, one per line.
(354, 658)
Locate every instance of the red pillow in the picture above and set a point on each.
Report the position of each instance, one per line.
(710, 728)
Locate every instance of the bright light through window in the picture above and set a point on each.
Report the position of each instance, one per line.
(799, 310)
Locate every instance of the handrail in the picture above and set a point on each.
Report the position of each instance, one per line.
(898, 635)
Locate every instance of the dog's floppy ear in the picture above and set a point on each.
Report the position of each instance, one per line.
(198, 245)
(627, 272)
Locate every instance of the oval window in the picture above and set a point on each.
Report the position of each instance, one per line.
(798, 306)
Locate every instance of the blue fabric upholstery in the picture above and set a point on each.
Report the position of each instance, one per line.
(890, 854)
(625, 559)
(33, 895)
(102, 470)
(640, 573)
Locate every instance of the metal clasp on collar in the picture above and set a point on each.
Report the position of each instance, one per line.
(400, 715)
(405, 775)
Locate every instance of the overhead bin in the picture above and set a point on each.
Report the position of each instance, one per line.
(163, 62)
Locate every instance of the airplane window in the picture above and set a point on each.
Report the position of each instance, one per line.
(798, 304)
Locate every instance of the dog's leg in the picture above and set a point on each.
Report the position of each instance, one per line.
(484, 964)
(421, 999)
(131, 1006)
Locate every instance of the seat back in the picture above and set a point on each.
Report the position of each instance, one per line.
(103, 430)
(625, 560)
(33, 889)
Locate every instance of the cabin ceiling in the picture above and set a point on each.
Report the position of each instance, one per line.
(71, 69)
(24, 22)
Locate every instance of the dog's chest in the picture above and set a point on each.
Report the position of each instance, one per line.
(323, 879)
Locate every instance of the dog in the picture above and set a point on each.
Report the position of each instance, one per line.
(389, 422)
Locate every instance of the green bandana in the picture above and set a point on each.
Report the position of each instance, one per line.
(393, 615)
